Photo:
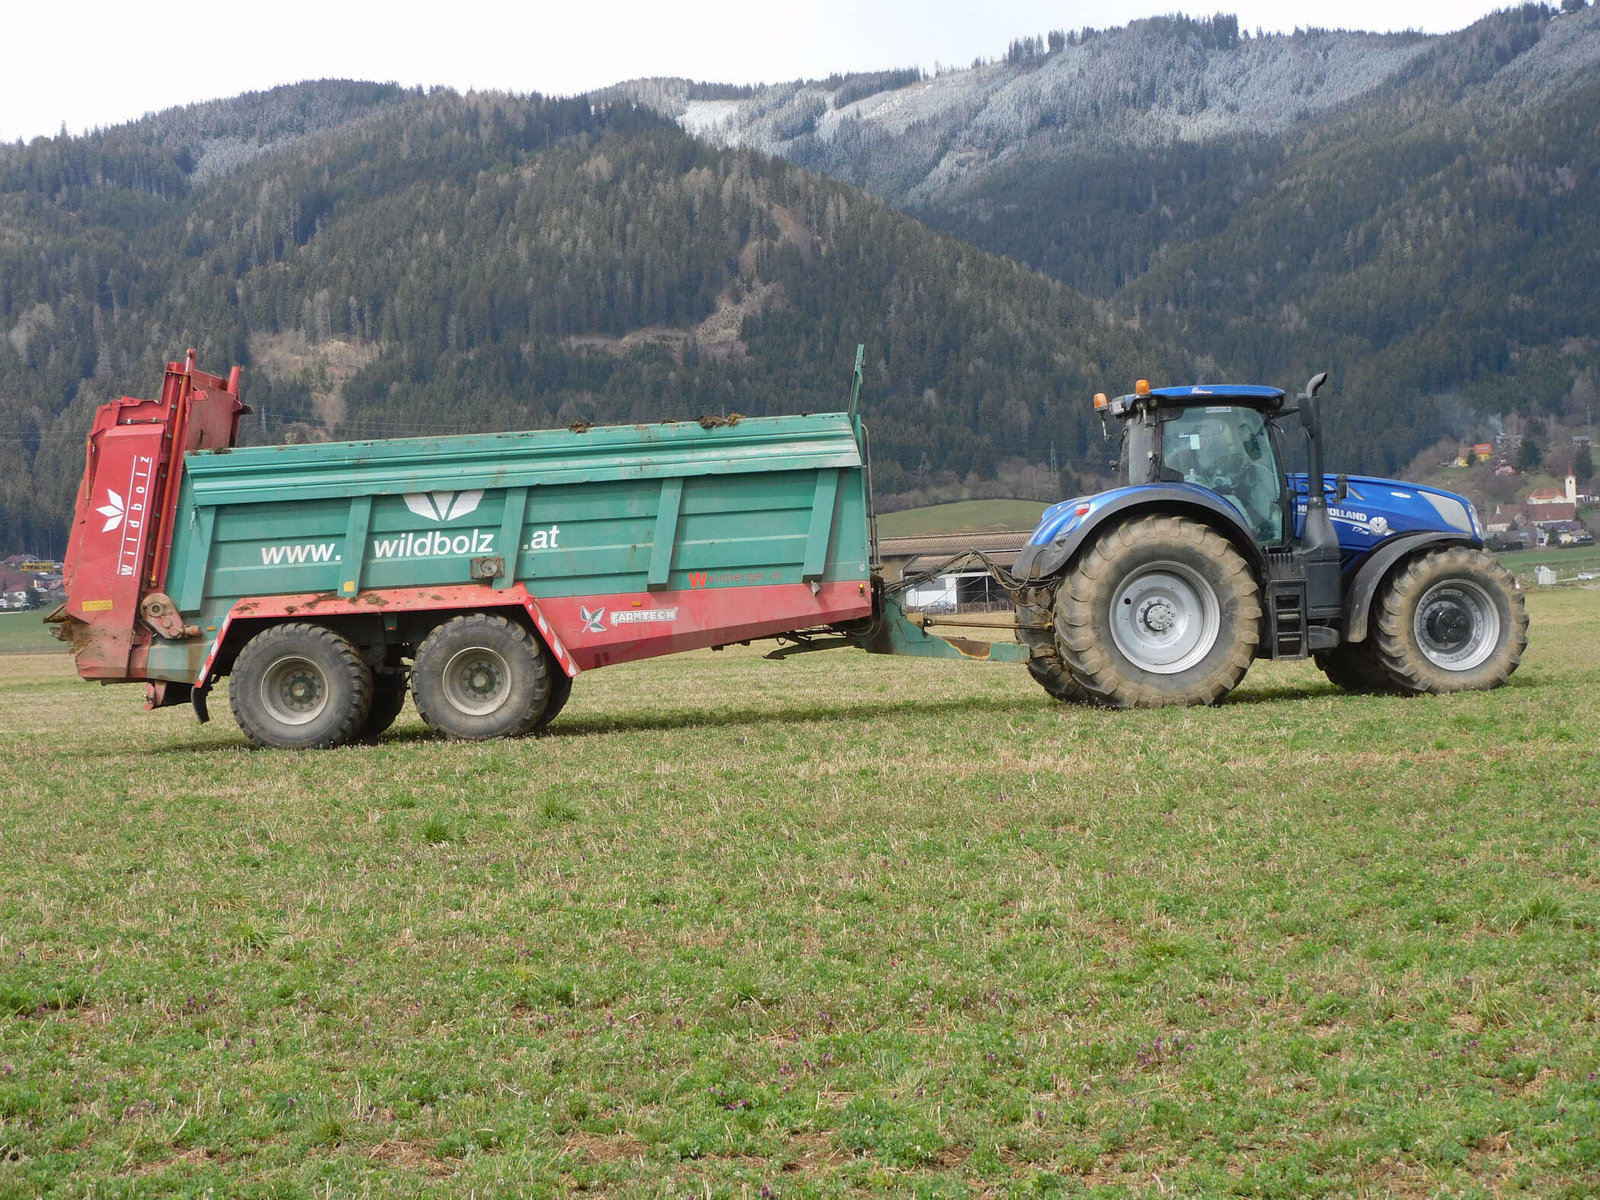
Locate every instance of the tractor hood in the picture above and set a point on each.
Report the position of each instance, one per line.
(1374, 510)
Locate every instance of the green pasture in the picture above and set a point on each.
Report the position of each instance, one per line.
(962, 516)
(1565, 561)
(839, 925)
(26, 633)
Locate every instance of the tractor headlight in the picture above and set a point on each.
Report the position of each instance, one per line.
(1457, 514)
(1472, 515)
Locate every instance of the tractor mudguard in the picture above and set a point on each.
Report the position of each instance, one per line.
(1043, 561)
(1363, 587)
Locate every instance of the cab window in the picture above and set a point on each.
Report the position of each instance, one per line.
(1227, 449)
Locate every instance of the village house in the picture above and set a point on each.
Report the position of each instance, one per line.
(1566, 496)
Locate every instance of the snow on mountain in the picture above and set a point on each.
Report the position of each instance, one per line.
(1151, 83)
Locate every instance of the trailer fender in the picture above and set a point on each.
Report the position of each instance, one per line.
(1042, 561)
(1363, 586)
(312, 606)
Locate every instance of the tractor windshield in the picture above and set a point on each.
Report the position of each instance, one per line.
(1226, 448)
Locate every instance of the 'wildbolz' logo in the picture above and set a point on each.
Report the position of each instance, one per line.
(443, 506)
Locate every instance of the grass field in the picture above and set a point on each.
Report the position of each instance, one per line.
(26, 633)
(964, 516)
(1565, 561)
(838, 925)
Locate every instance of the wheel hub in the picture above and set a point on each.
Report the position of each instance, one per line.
(477, 681)
(1457, 625)
(1165, 617)
(1157, 616)
(294, 691)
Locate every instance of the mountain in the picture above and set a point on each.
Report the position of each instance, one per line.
(388, 262)
(1175, 200)
(1420, 215)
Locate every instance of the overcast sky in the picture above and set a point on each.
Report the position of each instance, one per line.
(91, 63)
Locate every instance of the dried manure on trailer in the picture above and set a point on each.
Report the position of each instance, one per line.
(482, 574)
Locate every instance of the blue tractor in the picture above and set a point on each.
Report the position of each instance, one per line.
(1211, 554)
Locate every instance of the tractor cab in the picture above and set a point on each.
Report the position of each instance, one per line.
(1222, 438)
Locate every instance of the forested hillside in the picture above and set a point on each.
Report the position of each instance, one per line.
(387, 262)
(1419, 215)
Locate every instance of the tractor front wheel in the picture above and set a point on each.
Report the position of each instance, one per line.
(1452, 620)
(1160, 610)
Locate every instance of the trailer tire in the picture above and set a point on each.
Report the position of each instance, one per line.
(389, 688)
(481, 676)
(560, 693)
(1354, 667)
(1450, 620)
(300, 687)
(1160, 610)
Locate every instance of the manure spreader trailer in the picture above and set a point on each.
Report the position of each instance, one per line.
(482, 573)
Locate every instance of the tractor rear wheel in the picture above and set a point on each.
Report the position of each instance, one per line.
(1160, 610)
(1452, 620)
(1036, 630)
(300, 687)
(1354, 667)
(480, 676)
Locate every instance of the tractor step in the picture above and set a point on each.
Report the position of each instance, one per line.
(1287, 634)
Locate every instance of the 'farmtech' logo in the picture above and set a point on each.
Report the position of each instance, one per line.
(113, 510)
(443, 506)
(594, 621)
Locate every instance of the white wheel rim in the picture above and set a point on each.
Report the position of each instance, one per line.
(294, 690)
(476, 681)
(1457, 625)
(1165, 618)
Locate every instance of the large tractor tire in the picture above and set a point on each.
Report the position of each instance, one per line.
(1160, 610)
(300, 687)
(389, 688)
(481, 676)
(1036, 630)
(1354, 666)
(1451, 620)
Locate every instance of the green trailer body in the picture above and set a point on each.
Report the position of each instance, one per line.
(627, 541)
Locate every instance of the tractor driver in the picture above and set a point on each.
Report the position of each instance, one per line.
(1247, 482)
(1226, 451)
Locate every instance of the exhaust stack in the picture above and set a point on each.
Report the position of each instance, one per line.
(1318, 541)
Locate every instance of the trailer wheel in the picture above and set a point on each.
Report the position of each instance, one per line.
(388, 699)
(1160, 610)
(1452, 620)
(1354, 667)
(560, 693)
(300, 687)
(480, 676)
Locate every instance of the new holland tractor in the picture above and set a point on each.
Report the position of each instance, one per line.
(1162, 591)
